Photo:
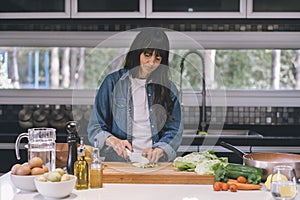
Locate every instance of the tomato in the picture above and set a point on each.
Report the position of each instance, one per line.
(241, 179)
(232, 187)
(217, 186)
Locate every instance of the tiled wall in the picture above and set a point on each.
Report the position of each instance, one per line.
(191, 115)
(173, 24)
(247, 115)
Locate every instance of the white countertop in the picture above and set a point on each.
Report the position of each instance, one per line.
(139, 192)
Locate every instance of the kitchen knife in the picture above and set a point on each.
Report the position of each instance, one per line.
(136, 157)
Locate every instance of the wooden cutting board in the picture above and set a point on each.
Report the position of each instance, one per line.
(164, 173)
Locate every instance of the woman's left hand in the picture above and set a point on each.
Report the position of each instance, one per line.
(153, 155)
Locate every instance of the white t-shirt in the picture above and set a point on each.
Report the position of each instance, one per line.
(141, 135)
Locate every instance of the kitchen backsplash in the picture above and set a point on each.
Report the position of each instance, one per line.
(247, 115)
(128, 24)
(56, 116)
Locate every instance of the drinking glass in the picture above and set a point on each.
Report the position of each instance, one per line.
(283, 183)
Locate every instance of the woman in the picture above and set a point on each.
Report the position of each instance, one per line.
(137, 107)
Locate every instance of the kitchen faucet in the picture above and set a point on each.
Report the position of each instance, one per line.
(202, 123)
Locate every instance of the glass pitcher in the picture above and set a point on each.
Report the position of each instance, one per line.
(283, 183)
(41, 143)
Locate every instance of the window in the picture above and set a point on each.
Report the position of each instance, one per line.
(85, 68)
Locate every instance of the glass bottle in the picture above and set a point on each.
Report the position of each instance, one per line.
(81, 169)
(96, 171)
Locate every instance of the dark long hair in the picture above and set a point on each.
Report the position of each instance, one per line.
(153, 39)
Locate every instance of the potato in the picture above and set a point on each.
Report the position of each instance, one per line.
(42, 178)
(37, 171)
(23, 170)
(46, 175)
(15, 168)
(54, 176)
(65, 177)
(60, 171)
(35, 162)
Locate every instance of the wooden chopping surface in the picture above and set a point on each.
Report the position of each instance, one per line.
(164, 173)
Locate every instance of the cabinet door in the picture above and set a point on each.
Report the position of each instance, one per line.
(196, 9)
(108, 9)
(34, 9)
(273, 9)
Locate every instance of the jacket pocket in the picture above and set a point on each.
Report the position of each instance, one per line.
(120, 112)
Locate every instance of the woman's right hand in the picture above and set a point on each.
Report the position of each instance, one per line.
(119, 146)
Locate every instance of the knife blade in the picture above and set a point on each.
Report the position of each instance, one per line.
(136, 157)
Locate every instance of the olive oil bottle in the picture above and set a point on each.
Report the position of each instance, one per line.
(81, 168)
(96, 171)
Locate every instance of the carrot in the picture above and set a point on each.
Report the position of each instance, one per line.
(241, 179)
(217, 186)
(225, 186)
(244, 186)
(233, 187)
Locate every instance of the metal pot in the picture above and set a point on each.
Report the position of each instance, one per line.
(266, 160)
(25, 118)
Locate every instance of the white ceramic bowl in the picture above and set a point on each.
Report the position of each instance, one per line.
(24, 182)
(55, 189)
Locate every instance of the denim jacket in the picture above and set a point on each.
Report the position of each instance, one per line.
(113, 113)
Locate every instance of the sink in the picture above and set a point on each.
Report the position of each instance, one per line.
(224, 133)
(228, 132)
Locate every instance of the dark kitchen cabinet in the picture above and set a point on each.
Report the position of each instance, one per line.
(34, 9)
(108, 9)
(196, 9)
(273, 9)
(163, 9)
